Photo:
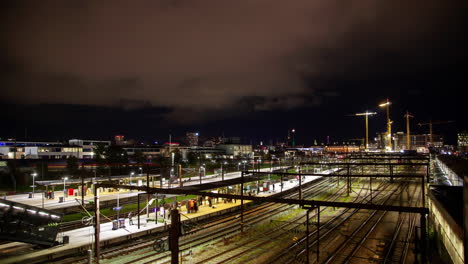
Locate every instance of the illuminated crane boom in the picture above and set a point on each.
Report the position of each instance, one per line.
(389, 124)
(366, 115)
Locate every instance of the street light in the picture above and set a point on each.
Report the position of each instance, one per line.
(293, 137)
(64, 190)
(389, 124)
(141, 170)
(131, 174)
(33, 186)
(222, 170)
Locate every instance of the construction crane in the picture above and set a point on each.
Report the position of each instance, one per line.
(389, 124)
(408, 137)
(430, 123)
(366, 115)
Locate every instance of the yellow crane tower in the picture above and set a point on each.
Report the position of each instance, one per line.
(366, 115)
(430, 123)
(389, 124)
(408, 137)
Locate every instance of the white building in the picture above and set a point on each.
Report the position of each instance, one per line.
(37, 150)
(87, 146)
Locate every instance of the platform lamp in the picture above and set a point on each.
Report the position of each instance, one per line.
(64, 190)
(33, 185)
(131, 174)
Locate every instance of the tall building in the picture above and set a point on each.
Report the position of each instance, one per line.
(119, 139)
(462, 142)
(462, 139)
(417, 141)
(192, 138)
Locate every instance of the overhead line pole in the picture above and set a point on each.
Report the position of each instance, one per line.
(97, 225)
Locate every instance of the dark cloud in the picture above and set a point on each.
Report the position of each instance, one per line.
(203, 59)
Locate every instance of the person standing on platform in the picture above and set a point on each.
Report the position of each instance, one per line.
(191, 202)
(130, 218)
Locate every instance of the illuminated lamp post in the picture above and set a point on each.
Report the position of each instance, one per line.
(64, 190)
(33, 186)
(293, 137)
(131, 174)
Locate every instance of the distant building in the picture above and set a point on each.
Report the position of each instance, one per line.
(120, 141)
(38, 150)
(237, 150)
(148, 152)
(342, 148)
(192, 139)
(462, 139)
(462, 142)
(88, 146)
(231, 140)
(206, 152)
(418, 142)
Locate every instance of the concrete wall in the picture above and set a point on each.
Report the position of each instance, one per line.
(465, 214)
(450, 234)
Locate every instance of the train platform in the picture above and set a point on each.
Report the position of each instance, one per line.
(80, 240)
(106, 194)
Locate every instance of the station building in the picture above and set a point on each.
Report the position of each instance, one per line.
(37, 150)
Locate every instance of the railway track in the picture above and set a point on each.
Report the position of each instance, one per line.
(220, 236)
(296, 252)
(227, 229)
(351, 243)
(146, 244)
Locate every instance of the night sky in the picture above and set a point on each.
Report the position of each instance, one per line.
(253, 68)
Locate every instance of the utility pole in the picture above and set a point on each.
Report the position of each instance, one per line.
(366, 115)
(82, 188)
(147, 193)
(389, 124)
(174, 233)
(408, 136)
(97, 225)
(179, 173)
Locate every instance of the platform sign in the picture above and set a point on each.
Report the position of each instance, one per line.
(117, 208)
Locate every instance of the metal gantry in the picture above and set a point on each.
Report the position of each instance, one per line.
(254, 176)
